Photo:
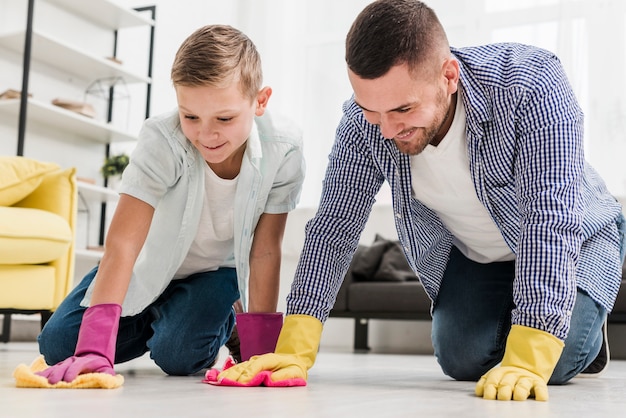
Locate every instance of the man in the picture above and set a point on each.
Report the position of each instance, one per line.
(514, 236)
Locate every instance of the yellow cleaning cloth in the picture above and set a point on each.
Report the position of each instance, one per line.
(25, 377)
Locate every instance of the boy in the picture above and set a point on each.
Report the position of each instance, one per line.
(202, 211)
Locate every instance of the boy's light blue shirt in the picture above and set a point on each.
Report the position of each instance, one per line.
(166, 171)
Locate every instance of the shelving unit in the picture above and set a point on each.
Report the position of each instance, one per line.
(97, 193)
(44, 48)
(106, 13)
(39, 46)
(57, 117)
(69, 59)
(92, 193)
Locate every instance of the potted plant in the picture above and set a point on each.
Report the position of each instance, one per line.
(114, 166)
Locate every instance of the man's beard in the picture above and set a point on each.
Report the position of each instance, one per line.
(424, 136)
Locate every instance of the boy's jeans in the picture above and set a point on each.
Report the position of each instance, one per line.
(183, 329)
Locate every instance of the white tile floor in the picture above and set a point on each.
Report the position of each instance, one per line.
(341, 384)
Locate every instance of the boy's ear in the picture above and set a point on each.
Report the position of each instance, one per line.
(261, 100)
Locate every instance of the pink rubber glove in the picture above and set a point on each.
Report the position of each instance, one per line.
(258, 333)
(95, 348)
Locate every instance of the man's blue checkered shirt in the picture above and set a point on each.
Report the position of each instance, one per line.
(525, 146)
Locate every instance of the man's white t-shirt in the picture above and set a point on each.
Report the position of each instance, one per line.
(441, 180)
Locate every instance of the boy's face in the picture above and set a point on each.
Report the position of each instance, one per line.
(218, 121)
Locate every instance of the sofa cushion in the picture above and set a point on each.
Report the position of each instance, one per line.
(383, 261)
(393, 266)
(366, 259)
(19, 176)
(388, 297)
(32, 236)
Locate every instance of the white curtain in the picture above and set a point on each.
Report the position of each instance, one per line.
(302, 43)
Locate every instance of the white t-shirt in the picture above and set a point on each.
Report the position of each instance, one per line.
(213, 245)
(441, 180)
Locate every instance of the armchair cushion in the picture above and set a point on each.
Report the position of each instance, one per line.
(32, 236)
(20, 176)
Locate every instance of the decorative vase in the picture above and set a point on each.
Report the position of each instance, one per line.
(113, 182)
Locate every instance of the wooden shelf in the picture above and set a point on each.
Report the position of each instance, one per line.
(98, 193)
(67, 58)
(54, 116)
(87, 255)
(104, 13)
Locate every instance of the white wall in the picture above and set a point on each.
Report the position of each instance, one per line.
(301, 43)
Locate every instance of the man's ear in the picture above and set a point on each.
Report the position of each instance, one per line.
(261, 100)
(451, 73)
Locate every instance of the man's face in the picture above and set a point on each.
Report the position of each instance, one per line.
(409, 109)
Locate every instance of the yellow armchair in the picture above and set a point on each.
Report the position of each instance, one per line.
(38, 209)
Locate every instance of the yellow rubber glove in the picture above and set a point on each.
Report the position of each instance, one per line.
(295, 353)
(529, 360)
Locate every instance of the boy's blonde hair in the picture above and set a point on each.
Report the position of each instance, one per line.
(218, 55)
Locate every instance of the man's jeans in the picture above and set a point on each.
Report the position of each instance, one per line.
(472, 319)
(183, 329)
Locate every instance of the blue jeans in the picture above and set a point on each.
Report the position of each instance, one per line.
(472, 319)
(183, 329)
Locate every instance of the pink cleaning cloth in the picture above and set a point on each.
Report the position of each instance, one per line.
(264, 378)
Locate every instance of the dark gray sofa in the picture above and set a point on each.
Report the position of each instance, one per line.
(380, 285)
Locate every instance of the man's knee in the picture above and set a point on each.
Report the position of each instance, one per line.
(466, 360)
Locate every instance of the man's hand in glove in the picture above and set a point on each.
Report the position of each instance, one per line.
(295, 354)
(529, 359)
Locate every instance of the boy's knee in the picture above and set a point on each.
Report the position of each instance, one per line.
(53, 347)
(181, 359)
(176, 364)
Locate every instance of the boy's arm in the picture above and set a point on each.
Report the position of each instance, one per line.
(127, 234)
(265, 257)
(97, 336)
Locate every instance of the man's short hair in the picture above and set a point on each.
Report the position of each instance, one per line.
(394, 32)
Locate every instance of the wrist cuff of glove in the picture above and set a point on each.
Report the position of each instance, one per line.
(532, 349)
(301, 335)
(98, 330)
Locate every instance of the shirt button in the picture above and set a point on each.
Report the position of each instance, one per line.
(398, 215)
